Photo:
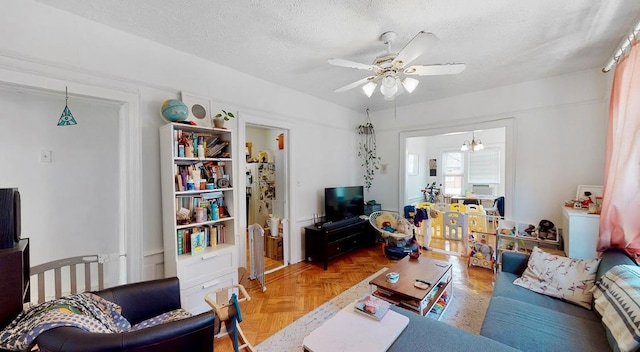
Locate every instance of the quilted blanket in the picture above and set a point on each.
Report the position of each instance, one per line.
(85, 311)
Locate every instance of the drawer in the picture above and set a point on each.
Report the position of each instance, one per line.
(343, 245)
(193, 297)
(194, 272)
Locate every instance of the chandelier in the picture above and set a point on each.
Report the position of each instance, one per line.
(473, 145)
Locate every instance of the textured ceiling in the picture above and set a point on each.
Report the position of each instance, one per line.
(288, 42)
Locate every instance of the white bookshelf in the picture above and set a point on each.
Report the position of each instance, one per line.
(216, 265)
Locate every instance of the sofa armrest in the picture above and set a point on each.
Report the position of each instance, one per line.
(514, 262)
(143, 300)
(190, 334)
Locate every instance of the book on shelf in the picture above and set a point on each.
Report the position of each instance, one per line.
(197, 242)
(411, 303)
(387, 296)
(372, 306)
(195, 239)
(179, 243)
(440, 305)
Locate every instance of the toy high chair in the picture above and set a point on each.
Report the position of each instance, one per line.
(225, 304)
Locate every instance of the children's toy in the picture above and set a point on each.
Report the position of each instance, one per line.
(530, 231)
(547, 231)
(481, 255)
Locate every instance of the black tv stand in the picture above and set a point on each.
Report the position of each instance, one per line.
(325, 241)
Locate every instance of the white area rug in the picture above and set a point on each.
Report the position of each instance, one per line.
(466, 311)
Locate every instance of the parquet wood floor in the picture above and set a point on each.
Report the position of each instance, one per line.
(300, 288)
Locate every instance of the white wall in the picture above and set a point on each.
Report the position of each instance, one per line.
(49, 42)
(70, 204)
(560, 130)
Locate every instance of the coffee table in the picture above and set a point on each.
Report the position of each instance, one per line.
(351, 331)
(430, 302)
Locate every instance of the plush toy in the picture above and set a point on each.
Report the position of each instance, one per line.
(389, 229)
(486, 251)
(530, 230)
(508, 232)
(547, 230)
(403, 226)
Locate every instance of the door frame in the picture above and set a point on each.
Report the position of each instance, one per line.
(262, 120)
(130, 241)
(507, 123)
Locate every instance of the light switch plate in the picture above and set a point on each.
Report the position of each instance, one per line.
(45, 156)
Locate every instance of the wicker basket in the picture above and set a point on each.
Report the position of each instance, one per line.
(377, 218)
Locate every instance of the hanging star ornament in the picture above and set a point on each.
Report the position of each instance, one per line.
(66, 119)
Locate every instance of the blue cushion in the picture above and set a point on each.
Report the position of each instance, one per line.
(426, 334)
(529, 327)
(611, 258)
(504, 287)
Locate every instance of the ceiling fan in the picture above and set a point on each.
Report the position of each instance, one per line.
(391, 70)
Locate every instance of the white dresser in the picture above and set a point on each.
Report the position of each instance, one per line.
(580, 233)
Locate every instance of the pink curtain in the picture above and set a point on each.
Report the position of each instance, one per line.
(620, 216)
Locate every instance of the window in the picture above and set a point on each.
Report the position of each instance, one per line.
(460, 173)
(412, 164)
(484, 166)
(453, 172)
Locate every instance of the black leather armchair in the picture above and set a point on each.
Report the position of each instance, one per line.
(139, 301)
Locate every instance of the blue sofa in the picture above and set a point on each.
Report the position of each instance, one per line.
(517, 319)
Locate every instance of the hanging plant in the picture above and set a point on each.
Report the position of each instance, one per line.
(367, 152)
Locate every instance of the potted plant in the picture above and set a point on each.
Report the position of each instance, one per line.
(367, 152)
(221, 117)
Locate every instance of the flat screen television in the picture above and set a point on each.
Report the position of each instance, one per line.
(343, 202)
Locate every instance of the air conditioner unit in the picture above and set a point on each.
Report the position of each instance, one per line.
(483, 190)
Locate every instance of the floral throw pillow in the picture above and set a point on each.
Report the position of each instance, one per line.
(569, 279)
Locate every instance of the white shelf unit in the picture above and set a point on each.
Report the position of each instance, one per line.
(216, 265)
(518, 243)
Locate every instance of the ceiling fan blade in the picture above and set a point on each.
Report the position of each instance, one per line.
(351, 64)
(415, 48)
(354, 84)
(434, 70)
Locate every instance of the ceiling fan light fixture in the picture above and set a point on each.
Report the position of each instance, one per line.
(389, 81)
(389, 87)
(369, 88)
(410, 84)
(387, 68)
(389, 92)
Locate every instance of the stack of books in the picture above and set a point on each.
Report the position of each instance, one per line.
(372, 306)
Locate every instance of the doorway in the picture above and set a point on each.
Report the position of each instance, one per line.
(265, 173)
(436, 169)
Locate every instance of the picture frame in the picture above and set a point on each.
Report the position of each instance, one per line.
(433, 167)
(199, 108)
(596, 191)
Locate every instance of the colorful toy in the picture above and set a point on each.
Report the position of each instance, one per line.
(481, 255)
